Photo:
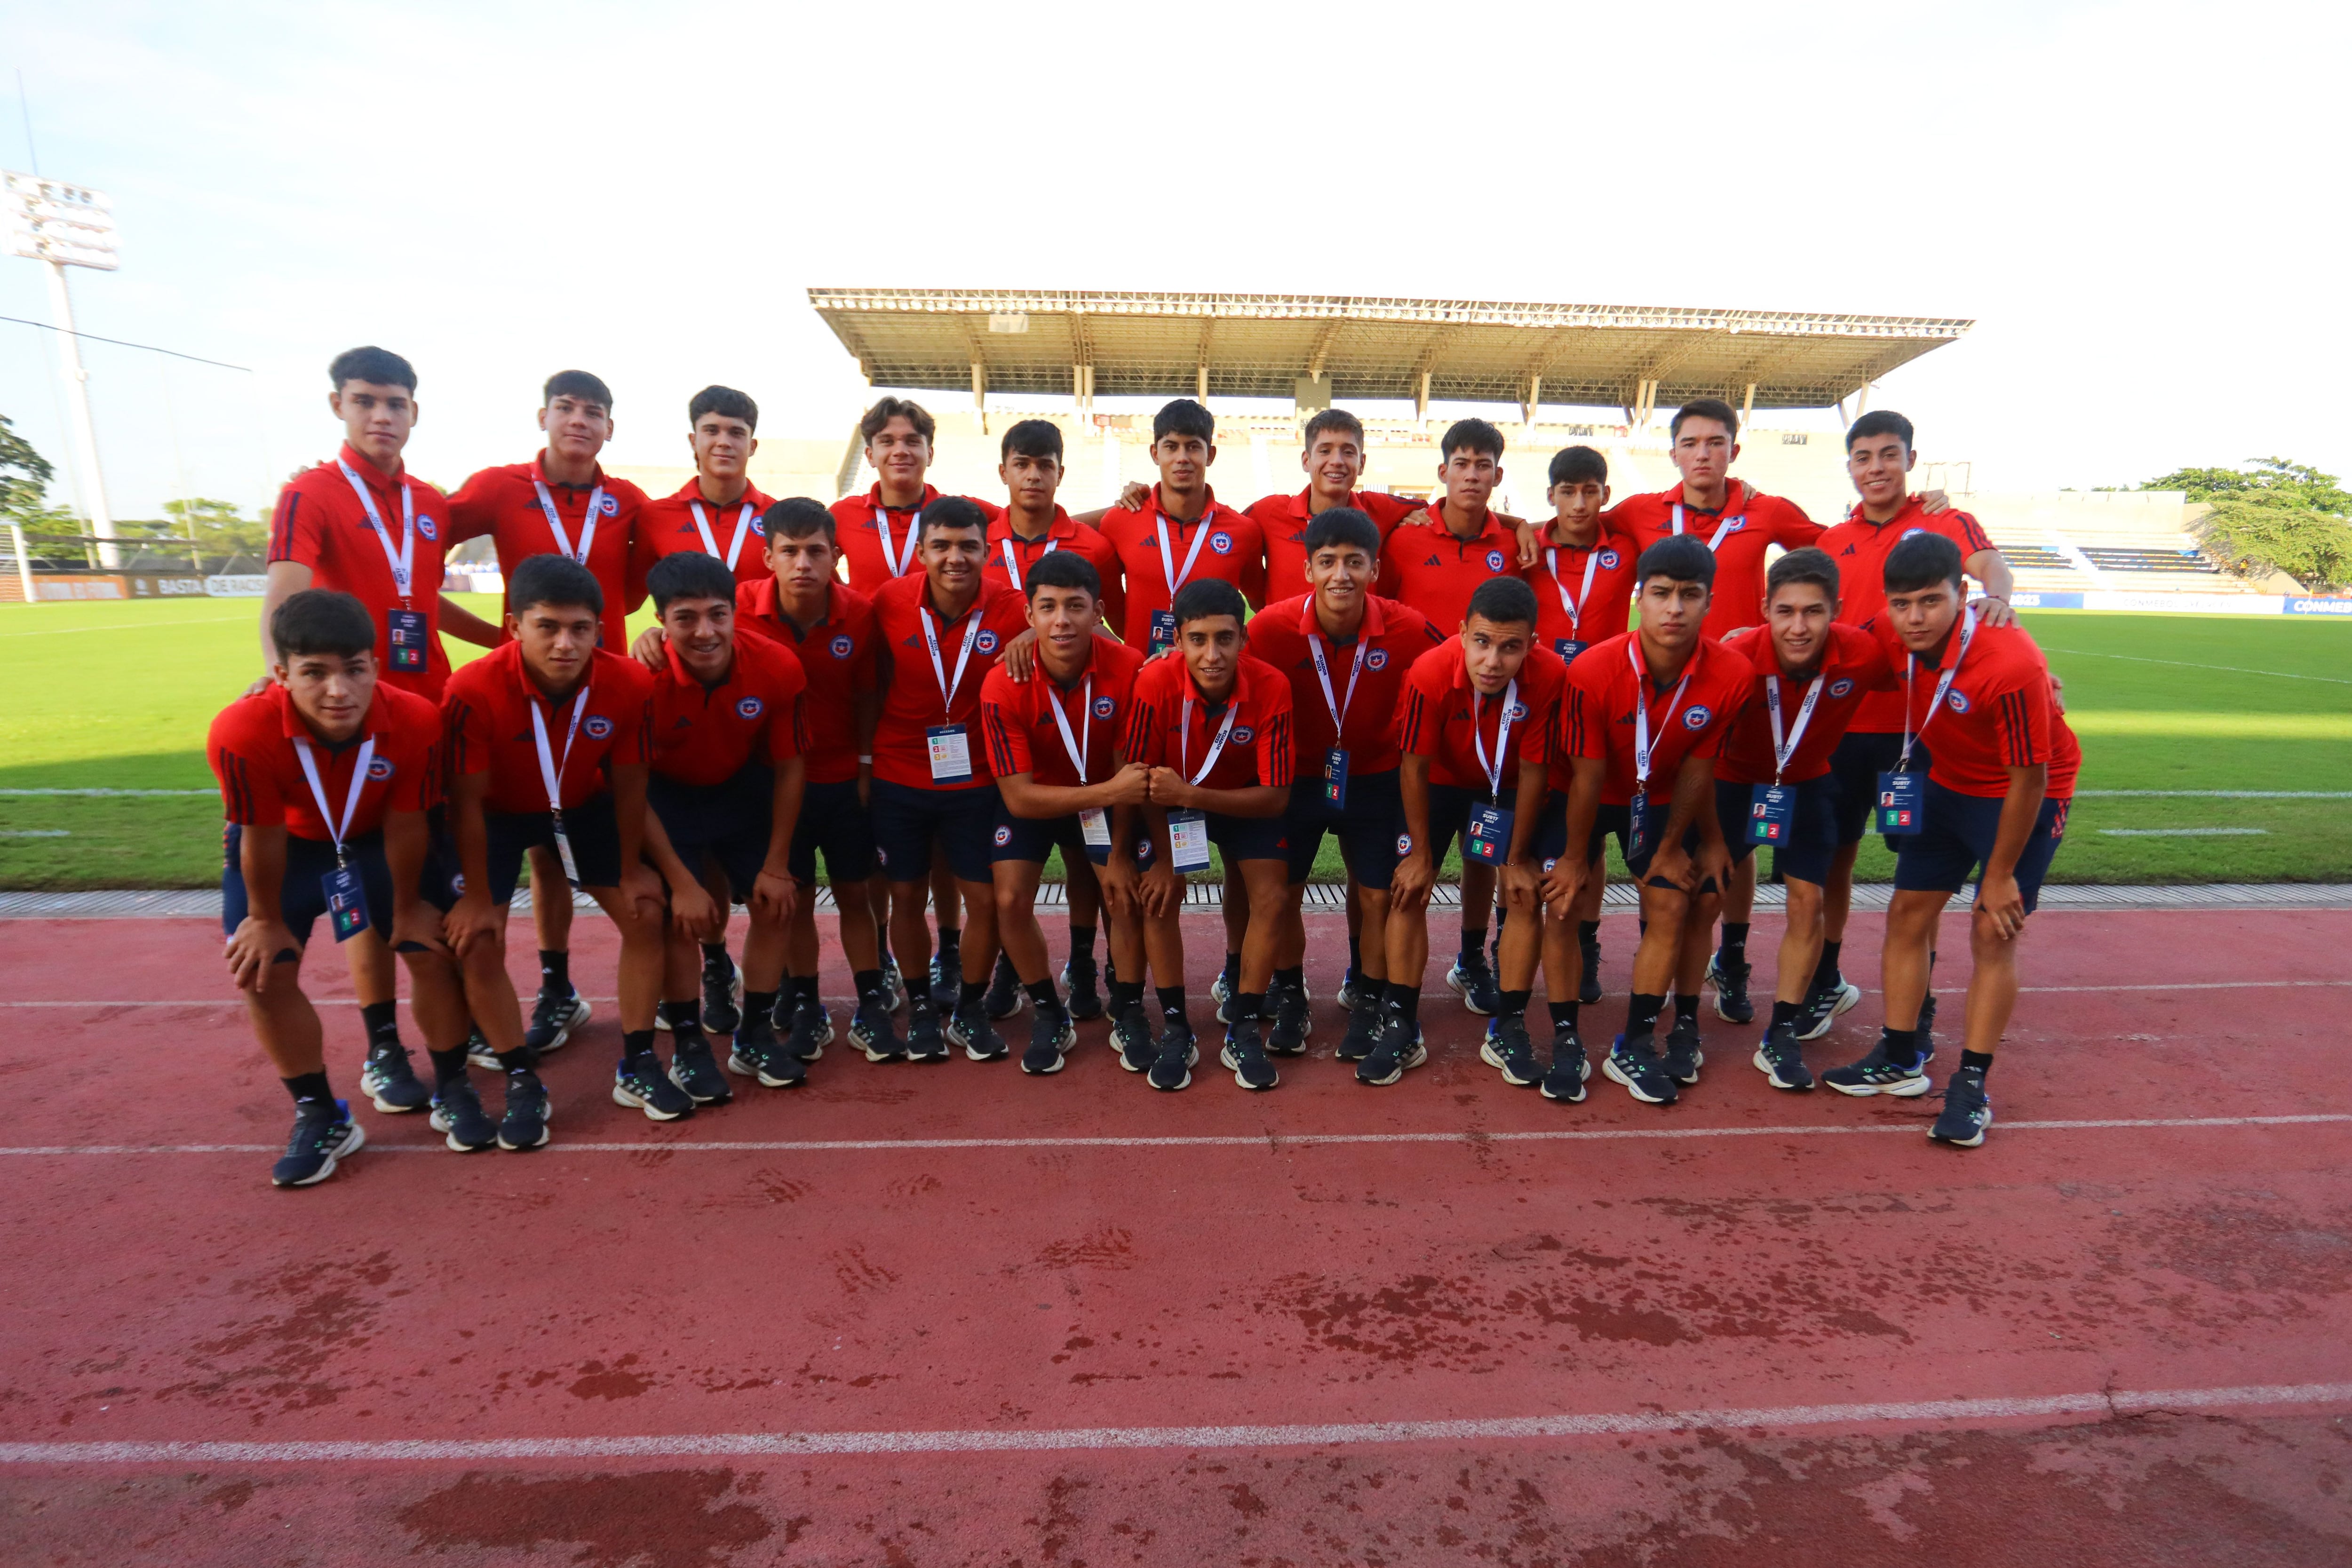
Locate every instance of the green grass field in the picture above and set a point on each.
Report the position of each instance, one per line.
(118, 696)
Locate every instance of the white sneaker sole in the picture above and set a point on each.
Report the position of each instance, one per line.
(1618, 1075)
(1764, 1064)
(1495, 1060)
(581, 1014)
(1846, 1000)
(622, 1095)
(1901, 1089)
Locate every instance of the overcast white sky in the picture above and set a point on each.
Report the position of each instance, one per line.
(2140, 204)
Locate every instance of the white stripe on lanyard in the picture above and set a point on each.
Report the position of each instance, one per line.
(555, 522)
(1728, 524)
(350, 799)
(931, 641)
(892, 556)
(1168, 562)
(1943, 687)
(1575, 611)
(1781, 751)
(403, 560)
(1084, 742)
(1323, 673)
(1494, 771)
(1184, 739)
(1013, 566)
(551, 771)
(711, 545)
(1641, 709)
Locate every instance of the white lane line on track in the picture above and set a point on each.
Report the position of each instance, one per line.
(1268, 1140)
(790, 1445)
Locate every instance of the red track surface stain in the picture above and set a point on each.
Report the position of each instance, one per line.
(652, 1519)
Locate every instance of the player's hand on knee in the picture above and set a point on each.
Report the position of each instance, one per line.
(775, 897)
(2003, 906)
(254, 951)
(416, 928)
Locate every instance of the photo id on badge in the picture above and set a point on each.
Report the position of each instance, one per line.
(1094, 827)
(406, 630)
(1488, 839)
(1637, 826)
(1902, 803)
(1335, 779)
(564, 853)
(950, 754)
(346, 902)
(1164, 631)
(1568, 648)
(1771, 812)
(1188, 842)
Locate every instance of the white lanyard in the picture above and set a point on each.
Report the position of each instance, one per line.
(1943, 687)
(1086, 738)
(1168, 562)
(1783, 750)
(1494, 771)
(587, 527)
(1013, 566)
(1184, 739)
(711, 545)
(551, 771)
(1641, 709)
(892, 556)
(1591, 564)
(1323, 673)
(931, 641)
(403, 560)
(351, 798)
(1728, 524)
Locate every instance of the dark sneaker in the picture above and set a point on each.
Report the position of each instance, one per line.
(1927, 1029)
(1130, 1036)
(640, 1082)
(1398, 1048)
(458, 1116)
(1363, 1030)
(552, 1020)
(479, 1052)
(1637, 1066)
(871, 1030)
(752, 1046)
(925, 1043)
(810, 1031)
(894, 985)
(524, 1125)
(323, 1134)
(1355, 992)
(1569, 1069)
(1173, 1055)
(1082, 983)
(1050, 1034)
(1004, 996)
(1967, 1111)
(1874, 1074)
(1475, 982)
(694, 1068)
(1781, 1059)
(1221, 992)
(1587, 987)
(722, 996)
(1682, 1055)
(947, 980)
(1286, 1035)
(390, 1081)
(1244, 1054)
(969, 1028)
(1508, 1051)
(1823, 1007)
(1731, 1002)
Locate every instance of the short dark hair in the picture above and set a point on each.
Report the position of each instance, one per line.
(1472, 435)
(797, 517)
(889, 408)
(1343, 525)
(1714, 408)
(1182, 417)
(1922, 561)
(1503, 600)
(1807, 564)
(954, 513)
(688, 574)
(378, 367)
(1337, 419)
(577, 383)
(1677, 556)
(1575, 465)
(723, 400)
(1879, 422)
(1033, 438)
(321, 620)
(1061, 569)
(553, 579)
(1204, 598)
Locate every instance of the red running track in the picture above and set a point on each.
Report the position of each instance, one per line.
(952, 1315)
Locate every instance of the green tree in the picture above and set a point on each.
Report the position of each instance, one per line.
(2271, 515)
(24, 475)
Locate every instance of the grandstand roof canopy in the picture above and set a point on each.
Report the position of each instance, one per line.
(1265, 345)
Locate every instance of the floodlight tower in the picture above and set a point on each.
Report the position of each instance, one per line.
(63, 225)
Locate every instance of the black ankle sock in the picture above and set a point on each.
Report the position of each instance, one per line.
(950, 939)
(309, 1086)
(678, 1013)
(1981, 1061)
(1474, 941)
(1515, 1003)
(1642, 1012)
(517, 1061)
(1124, 995)
(1783, 1013)
(1248, 1004)
(760, 1005)
(382, 1021)
(1044, 994)
(1563, 1015)
(1588, 931)
(867, 980)
(1232, 974)
(1404, 1001)
(1902, 1046)
(1292, 978)
(1686, 1007)
(1735, 942)
(1171, 1000)
(1355, 955)
(716, 952)
(973, 990)
(449, 1067)
(554, 971)
(636, 1043)
(1082, 943)
(1826, 971)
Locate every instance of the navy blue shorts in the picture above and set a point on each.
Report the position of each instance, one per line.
(591, 826)
(729, 823)
(1854, 768)
(833, 821)
(1812, 839)
(1449, 816)
(1033, 839)
(908, 821)
(1237, 838)
(1367, 830)
(302, 895)
(1959, 831)
(1552, 841)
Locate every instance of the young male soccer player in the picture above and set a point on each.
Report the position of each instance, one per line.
(1984, 693)
(1345, 653)
(1333, 460)
(1479, 718)
(1772, 780)
(1182, 533)
(548, 748)
(562, 502)
(1214, 726)
(1644, 715)
(830, 625)
(724, 797)
(1052, 744)
(940, 633)
(325, 779)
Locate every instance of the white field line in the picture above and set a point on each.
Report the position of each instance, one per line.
(101, 791)
(2216, 794)
(795, 1444)
(2184, 832)
(2185, 664)
(130, 626)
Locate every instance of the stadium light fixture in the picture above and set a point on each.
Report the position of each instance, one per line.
(61, 226)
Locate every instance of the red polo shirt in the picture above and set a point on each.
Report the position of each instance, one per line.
(1009, 556)
(1017, 719)
(1996, 716)
(704, 734)
(503, 503)
(667, 527)
(321, 523)
(1860, 547)
(487, 711)
(1596, 715)
(1853, 667)
(858, 522)
(1558, 578)
(1739, 538)
(1232, 546)
(1393, 635)
(2065, 758)
(1283, 519)
(1259, 751)
(837, 661)
(1436, 573)
(1443, 710)
(253, 755)
(916, 701)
